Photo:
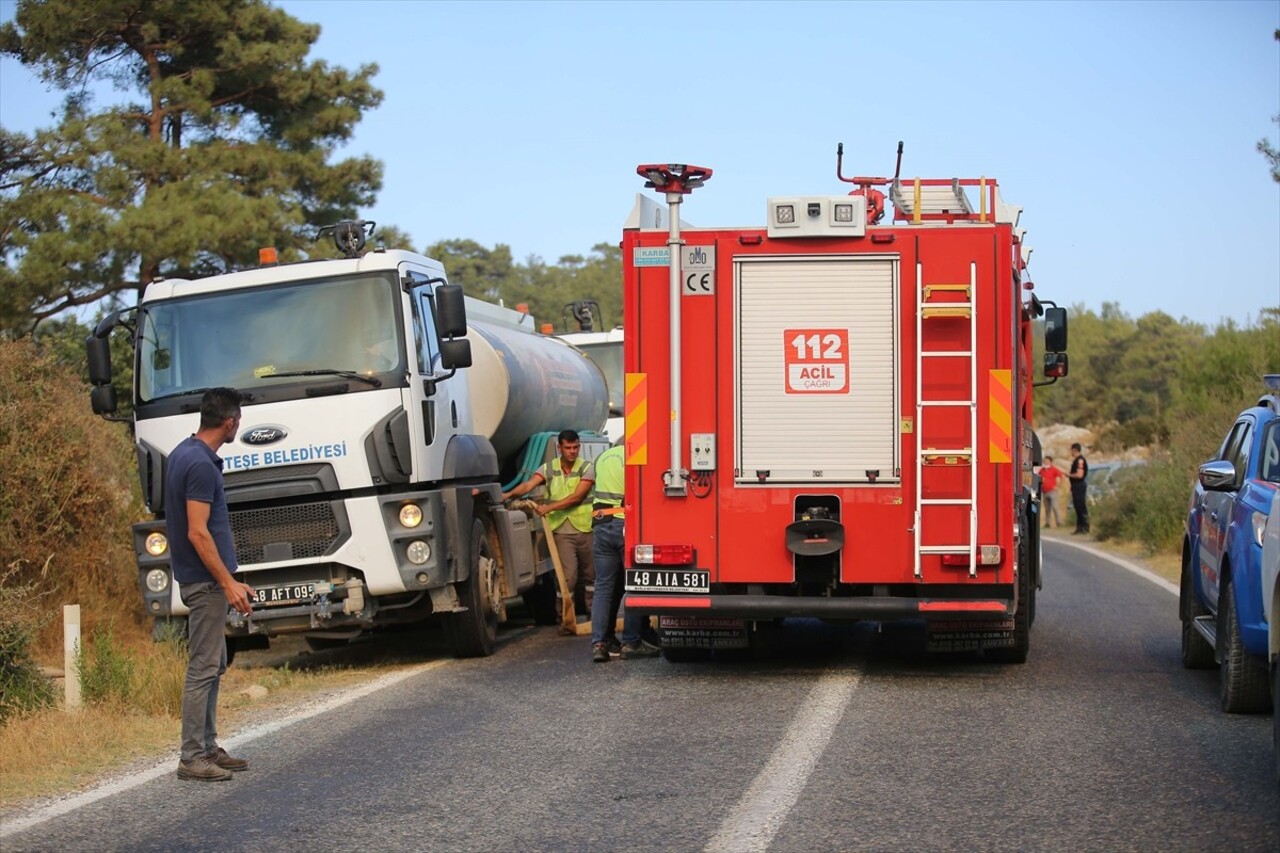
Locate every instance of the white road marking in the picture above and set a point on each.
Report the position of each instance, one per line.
(1168, 586)
(764, 807)
(133, 780)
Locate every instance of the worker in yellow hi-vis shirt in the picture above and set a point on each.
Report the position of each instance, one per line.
(569, 480)
(608, 515)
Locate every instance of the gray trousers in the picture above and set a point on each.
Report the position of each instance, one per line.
(207, 660)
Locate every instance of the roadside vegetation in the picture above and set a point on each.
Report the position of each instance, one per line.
(1168, 389)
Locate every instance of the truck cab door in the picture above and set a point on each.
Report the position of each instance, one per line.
(429, 402)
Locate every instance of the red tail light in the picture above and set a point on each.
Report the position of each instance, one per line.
(662, 555)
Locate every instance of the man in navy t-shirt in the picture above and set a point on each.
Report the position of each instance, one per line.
(203, 557)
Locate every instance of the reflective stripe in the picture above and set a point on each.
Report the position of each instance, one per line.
(611, 477)
(561, 486)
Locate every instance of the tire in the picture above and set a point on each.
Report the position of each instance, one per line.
(540, 599)
(1275, 717)
(1242, 678)
(473, 632)
(1196, 651)
(1036, 581)
(231, 649)
(1017, 653)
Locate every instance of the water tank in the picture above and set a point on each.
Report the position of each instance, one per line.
(522, 383)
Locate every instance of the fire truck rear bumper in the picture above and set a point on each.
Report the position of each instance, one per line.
(781, 606)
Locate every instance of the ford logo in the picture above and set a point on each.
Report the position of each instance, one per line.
(263, 434)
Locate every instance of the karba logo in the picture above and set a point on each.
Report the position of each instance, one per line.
(263, 435)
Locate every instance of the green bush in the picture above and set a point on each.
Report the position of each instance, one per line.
(23, 688)
(68, 498)
(1149, 507)
(107, 672)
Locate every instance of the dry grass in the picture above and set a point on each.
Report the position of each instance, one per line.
(1165, 564)
(55, 751)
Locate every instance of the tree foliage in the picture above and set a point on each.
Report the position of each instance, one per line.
(492, 275)
(1135, 381)
(1265, 148)
(222, 144)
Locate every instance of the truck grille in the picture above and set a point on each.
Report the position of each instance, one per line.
(289, 532)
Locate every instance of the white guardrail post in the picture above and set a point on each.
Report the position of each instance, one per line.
(70, 648)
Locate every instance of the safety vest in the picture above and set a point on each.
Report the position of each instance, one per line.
(611, 472)
(560, 486)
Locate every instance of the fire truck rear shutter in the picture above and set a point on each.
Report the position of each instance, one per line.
(837, 430)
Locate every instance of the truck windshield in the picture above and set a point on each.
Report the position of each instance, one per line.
(239, 339)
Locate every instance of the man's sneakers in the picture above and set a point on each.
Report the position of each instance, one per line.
(600, 652)
(216, 766)
(201, 769)
(639, 649)
(226, 762)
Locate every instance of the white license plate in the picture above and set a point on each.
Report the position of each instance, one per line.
(293, 593)
(668, 580)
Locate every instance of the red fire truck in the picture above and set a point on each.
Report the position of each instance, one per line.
(830, 416)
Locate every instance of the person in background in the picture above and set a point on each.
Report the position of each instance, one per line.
(1050, 473)
(569, 480)
(204, 565)
(1078, 476)
(607, 532)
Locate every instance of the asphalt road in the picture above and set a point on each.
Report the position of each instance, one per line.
(840, 738)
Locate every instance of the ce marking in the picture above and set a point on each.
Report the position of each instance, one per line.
(699, 283)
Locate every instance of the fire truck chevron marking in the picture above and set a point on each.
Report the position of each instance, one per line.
(637, 415)
(1001, 409)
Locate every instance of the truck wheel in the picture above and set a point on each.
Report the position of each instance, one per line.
(1017, 653)
(540, 599)
(1196, 651)
(1242, 678)
(1035, 581)
(474, 632)
(1275, 717)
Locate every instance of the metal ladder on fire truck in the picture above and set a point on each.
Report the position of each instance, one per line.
(943, 201)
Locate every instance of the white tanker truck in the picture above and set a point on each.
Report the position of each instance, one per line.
(384, 413)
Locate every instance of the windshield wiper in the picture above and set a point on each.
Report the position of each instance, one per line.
(326, 371)
(245, 395)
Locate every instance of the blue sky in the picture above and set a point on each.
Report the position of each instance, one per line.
(1126, 131)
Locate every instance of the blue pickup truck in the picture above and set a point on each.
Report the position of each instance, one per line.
(1221, 600)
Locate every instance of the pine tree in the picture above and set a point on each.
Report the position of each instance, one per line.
(221, 144)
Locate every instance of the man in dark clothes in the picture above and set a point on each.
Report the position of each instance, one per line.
(204, 565)
(1078, 475)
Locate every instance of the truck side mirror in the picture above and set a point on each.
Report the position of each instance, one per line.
(455, 354)
(98, 352)
(1055, 364)
(103, 399)
(1055, 331)
(451, 311)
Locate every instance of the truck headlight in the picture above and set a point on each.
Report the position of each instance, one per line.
(410, 515)
(157, 579)
(157, 543)
(419, 552)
